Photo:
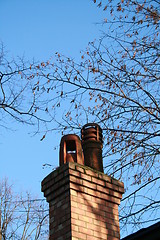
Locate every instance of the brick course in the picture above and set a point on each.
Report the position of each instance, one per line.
(83, 203)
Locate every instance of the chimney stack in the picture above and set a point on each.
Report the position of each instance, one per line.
(83, 201)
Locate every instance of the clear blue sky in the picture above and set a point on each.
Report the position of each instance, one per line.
(39, 28)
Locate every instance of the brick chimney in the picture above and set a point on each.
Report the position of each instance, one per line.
(83, 201)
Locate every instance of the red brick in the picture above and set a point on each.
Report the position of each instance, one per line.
(78, 222)
(75, 228)
(72, 165)
(102, 189)
(100, 235)
(85, 219)
(112, 238)
(112, 186)
(113, 228)
(95, 205)
(86, 177)
(114, 233)
(89, 209)
(86, 231)
(92, 238)
(83, 204)
(118, 183)
(110, 198)
(114, 222)
(59, 177)
(80, 198)
(98, 181)
(86, 197)
(79, 235)
(74, 173)
(62, 168)
(74, 204)
(76, 187)
(66, 205)
(112, 205)
(73, 192)
(80, 169)
(76, 180)
(90, 191)
(78, 211)
(98, 200)
(91, 173)
(121, 189)
(104, 177)
(74, 215)
(91, 226)
(116, 194)
(99, 223)
(89, 184)
(91, 215)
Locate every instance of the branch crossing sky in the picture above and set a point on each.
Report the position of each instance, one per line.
(37, 29)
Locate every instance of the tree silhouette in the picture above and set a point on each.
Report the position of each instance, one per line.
(22, 217)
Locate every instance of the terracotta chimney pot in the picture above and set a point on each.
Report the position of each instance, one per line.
(91, 135)
(71, 150)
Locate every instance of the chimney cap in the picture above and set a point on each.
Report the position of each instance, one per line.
(91, 131)
(91, 124)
